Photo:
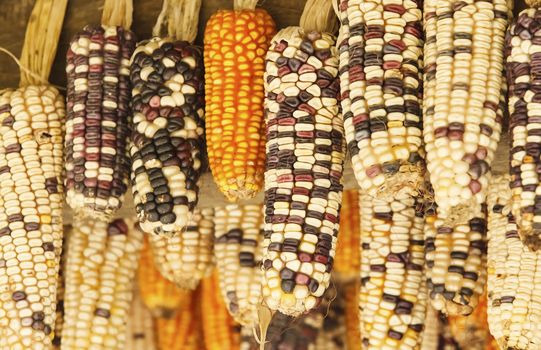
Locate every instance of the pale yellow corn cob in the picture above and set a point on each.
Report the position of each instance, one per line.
(140, 328)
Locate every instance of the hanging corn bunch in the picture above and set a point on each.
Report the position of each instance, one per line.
(162, 297)
(514, 277)
(187, 258)
(101, 265)
(140, 327)
(235, 45)
(392, 299)
(348, 253)
(239, 236)
(31, 191)
(462, 84)
(97, 163)
(380, 47)
(305, 156)
(168, 107)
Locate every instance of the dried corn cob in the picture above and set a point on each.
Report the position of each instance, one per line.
(97, 164)
(220, 330)
(348, 253)
(352, 322)
(514, 281)
(101, 265)
(60, 290)
(182, 332)
(167, 138)
(235, 46)
(380, 74)
(161, 296)
(140, 333)
(463, 79)
(392, 299)
(521, 50)
(305, 155)
(238, 250)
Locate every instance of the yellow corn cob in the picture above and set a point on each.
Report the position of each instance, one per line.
(101, 265)
(140, 326)
(352, 322)
(238, 250)
(220, 331)
(514, 280)
(187, 257)
(184, 331)
(348, 253)
(161, 296)
(462, 79)
(60, 290)
(235, 45)
(392, 298)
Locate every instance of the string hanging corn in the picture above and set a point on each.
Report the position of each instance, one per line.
(187, 257)
(392, 299)
(220, 332)
(161, 296)
(235, 45)
(101, 265)
(348, 253)
(463, 79)
(305, 155)
(380, 74)
(140, 328)
(514, 278)
(238, 241)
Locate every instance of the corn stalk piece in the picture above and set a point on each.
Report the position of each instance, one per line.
(140, 328)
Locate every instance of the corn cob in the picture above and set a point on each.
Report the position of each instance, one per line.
(305, 155)
(380, 47)
(392, 299)
(514, 283)
(522, 72)
(235, 45)
(238, 238)
(348, 253)
(101, 265)
(463, 79)
(431, 332)
(167, 138)
(182, 332)
(60, 290)
(188, 257)
(352, 321)
(97, 163)
(161, 296)
(220, 332)
(140, 327)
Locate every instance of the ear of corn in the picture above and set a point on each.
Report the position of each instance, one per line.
(238, 250)
(305, 155)
(235, 47)
(60, 290)
(101, 265)
(161, 296)
(187, 257)
(140, 328)
(31, 201)
(351, 316)
(167, 138)
(348, 253)
(392, 299)
(514, 277)
(97, 163)
(462, 84)
(220, 332)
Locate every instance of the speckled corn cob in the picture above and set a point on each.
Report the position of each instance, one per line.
(351, 314)
(305, 156)
(220, 331)
(140, 327)
(380, 46)
(235, 47)
(456, 261)
(161, 296)
(522, 54)
(97, 163)
(31, 201)
(167, 138)
(462, 83)
(101, 265)
(392, 298)
(514, 277)
(184, 331)
(238, 251)
(348, 253)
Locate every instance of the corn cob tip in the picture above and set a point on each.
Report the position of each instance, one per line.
(531, 238)
(411, 180)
